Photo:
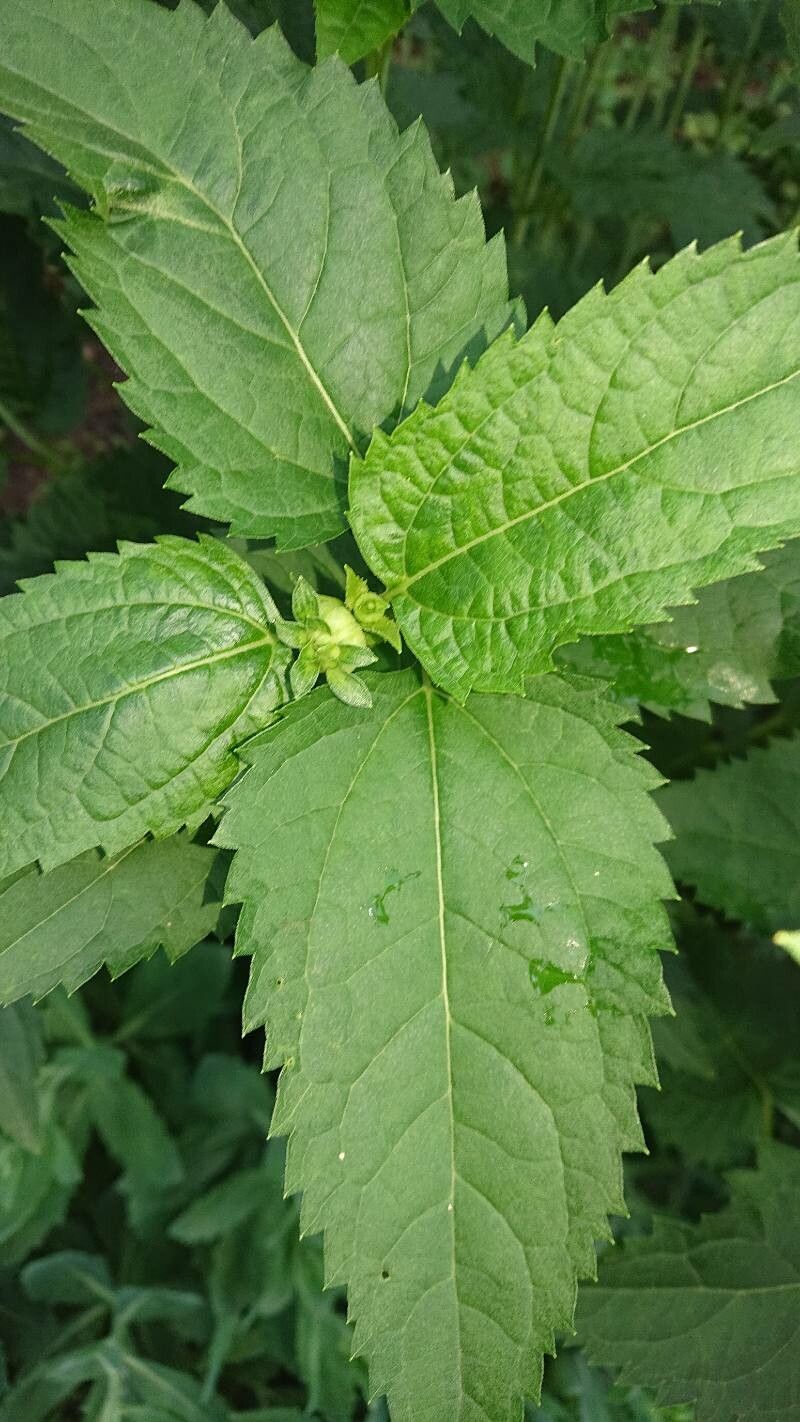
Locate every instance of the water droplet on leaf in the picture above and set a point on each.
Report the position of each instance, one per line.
(377, 910)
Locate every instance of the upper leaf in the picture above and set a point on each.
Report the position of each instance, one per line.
(727, 647)
(276, 275)
(460, 1009)
(590, 475)
(737, 835)
(124, 683)
(61, 927)
(711, 1311)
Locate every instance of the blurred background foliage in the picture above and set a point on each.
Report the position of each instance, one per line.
(151, 1269)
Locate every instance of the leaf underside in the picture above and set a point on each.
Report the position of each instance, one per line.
(567, 26)
(587, 477)
(726, 648)
(453, 914)
(61, 927)
(711, 1311)
(275, 277)
(125, 681)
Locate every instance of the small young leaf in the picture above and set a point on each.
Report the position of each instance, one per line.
(124, 683)
(61, 927)
(459, 1008)
(737, 836)
(710, 1312)
(264, 321)
(590, 475)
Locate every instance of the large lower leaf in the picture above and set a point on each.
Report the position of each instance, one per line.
(61, 927)
(711, 1312)
(454, 922)
(276, 275)
(590, 475)
(737, 835)
(125, 681)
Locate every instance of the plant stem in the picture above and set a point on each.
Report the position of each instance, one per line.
(690, 62)
(735, 86)
(37, 447)
(767, 1113)
(529, 185)
(666, 41)
(661, 42)
(590, 82)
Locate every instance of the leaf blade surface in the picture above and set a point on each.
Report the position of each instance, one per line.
(584, 478)
(427, 989)
(125, 682)
(277, 276)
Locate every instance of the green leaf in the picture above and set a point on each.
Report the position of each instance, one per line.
(728, 647)
(737, 835)
(323, 1344)
(566, 26)
(29, 180)
(21, 1055)
(62, 927)
(118, 496)
(135, 1136)
(460, 1009)
(352, 28)
(590, 475)
(711, 1311)
(728, 1058)
(612, 173)
(221, 1208)
(125, 682)
(70, 1276)
(229, 298)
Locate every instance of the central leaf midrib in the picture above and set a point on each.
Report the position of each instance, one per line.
(445, 995)
(401, 587)
(139, 687)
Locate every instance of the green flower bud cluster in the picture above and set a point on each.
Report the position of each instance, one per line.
(334, 638)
